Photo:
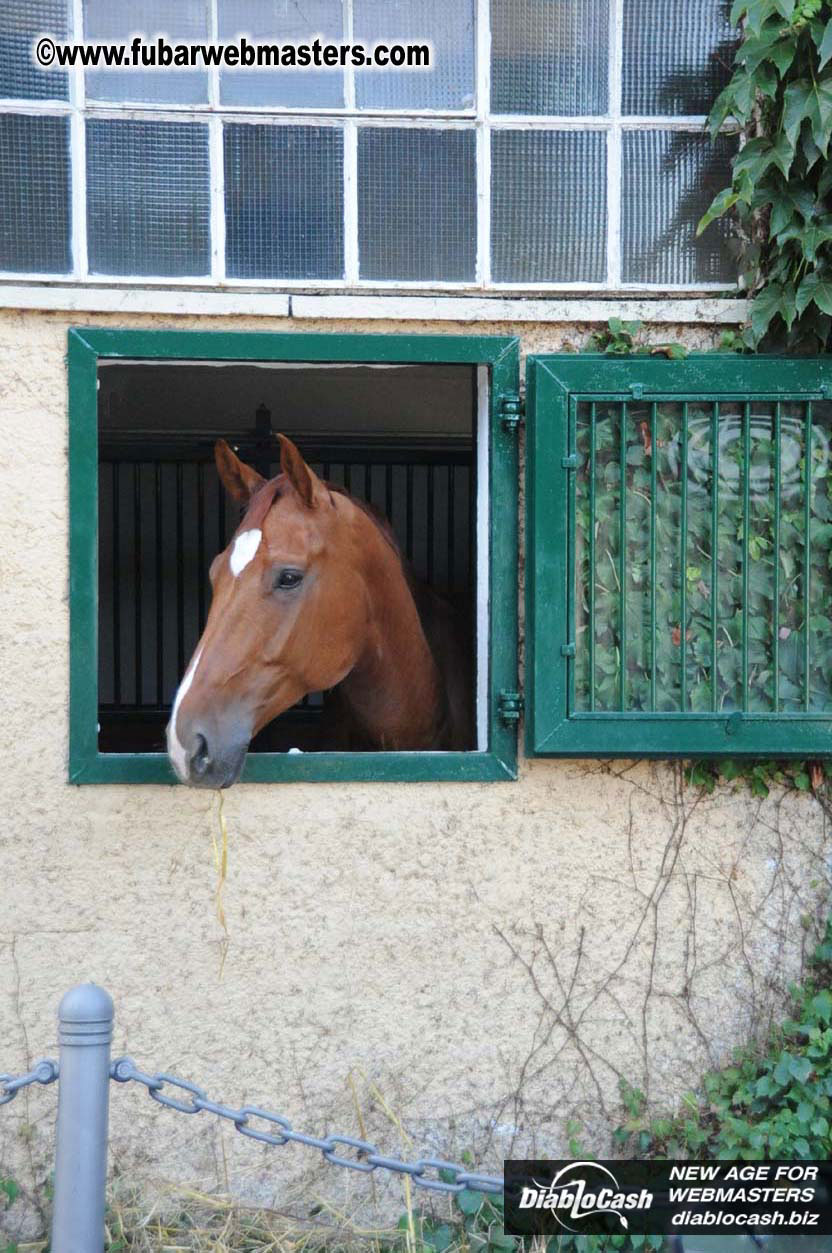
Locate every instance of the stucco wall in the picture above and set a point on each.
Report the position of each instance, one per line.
(488, 959)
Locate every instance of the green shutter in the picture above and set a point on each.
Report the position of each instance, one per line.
(643, 635)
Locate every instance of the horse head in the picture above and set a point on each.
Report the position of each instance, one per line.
(288, 614)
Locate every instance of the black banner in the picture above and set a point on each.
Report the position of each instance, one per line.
(649, 1198)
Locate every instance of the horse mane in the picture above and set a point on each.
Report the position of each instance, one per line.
(381, 523)
(265, 496)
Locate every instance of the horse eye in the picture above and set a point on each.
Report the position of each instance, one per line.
(287, 579)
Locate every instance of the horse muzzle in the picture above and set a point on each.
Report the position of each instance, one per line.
(207, 759)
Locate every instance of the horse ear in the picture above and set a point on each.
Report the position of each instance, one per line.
(238, 479)
(305, 482)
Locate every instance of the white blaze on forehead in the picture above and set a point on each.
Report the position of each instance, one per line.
(177, 753)
(245, 546)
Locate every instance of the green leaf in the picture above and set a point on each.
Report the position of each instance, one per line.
(795, 106)
(819, 113)
(815, 287)
(785, 8)
(800, 1068)
(822, 1005)
(469, 1201)
(720, 109)
(782, 54)
(765, 307)
(10, 1189)
(825, 48)
(721, 203)
(757, 12)
(810, 237)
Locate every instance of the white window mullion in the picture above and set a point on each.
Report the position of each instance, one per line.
(349, 70)
(614, 145)
(350, 160)
(216, 157)
(217, 175)
(483, 157)
(78, 152)
(351, 259)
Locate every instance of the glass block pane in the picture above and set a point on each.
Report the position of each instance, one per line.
(280, 22)
(116, 20)
(34, 194)
(668, 180)
(683, 71)
(549, 57)
(549, 206)
(417, 204)
(148, 202)
(450, 28)
(20, 22)
(284, 201)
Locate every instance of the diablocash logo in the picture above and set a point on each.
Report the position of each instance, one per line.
(576, 1192)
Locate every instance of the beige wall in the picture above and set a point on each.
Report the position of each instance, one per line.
(488, 958)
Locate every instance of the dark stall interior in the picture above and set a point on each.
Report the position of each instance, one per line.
(401, 437)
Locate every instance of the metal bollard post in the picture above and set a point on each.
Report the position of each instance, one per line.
(85, 1029)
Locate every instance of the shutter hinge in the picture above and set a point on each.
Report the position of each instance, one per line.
(570, 462)
(512, 409)
(510, 705)
(567, 650)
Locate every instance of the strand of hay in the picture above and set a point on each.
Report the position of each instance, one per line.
(221, 865)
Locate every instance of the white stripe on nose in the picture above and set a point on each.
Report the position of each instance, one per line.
(176, 751)
(245, 546)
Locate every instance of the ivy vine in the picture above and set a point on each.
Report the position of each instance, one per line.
(780, 95)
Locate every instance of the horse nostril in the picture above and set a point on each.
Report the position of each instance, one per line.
(200, 761)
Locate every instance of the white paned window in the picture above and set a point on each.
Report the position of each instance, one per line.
(553, 145)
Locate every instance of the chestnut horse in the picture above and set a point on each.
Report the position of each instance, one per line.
(312, 594)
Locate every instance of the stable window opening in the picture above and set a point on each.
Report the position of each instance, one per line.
(411, 440)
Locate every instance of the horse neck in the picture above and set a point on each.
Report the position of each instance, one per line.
(393, 691)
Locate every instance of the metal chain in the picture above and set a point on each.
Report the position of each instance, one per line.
(45, 1071)
(367, 1157)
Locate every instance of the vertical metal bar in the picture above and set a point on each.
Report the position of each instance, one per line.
(746, 497)
(202, 573)
(116, 588)
(775, 651)
(653, 580)
(807, 547)
(137, 578)
(571, 527)
(388, 491)
(409, 514)
(683, 565)
(451, 524)
(430, 523)
(180, 573)
(85, 1030)
(160, 651)
(622, 556)
(220, 517)
(714, 547)
(592, 452)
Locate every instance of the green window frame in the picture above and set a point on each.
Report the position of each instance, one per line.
(499, 354)
(725, 647)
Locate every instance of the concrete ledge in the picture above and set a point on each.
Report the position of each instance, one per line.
(499, 309)
(196, 301)
(190, 301)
